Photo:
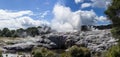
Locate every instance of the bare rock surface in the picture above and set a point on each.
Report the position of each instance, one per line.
(96, 41)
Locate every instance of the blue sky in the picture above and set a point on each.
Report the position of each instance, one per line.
(37, 6)
(43, 9)
(40, 6)
(27, 4)
(75, 7)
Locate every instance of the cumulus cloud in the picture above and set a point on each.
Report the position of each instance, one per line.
(85, 5)
(18, 19)
(102, 18)
(100, 3)
(97, 3)
(78, 1)
(65, 20)
(87, 17)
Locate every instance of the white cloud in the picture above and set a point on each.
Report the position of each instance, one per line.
(78, 1)
(85, 5)
(102, 18)
(44, 14)
(87, 17)
(101, 3)
(65, 20)
(18, 19)
(7, 14)
(28, 21)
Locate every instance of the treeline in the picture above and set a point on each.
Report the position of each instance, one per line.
(99, 27)
(30, 31)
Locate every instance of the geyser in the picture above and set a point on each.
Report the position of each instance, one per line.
(67, 21)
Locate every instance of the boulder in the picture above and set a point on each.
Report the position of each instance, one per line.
(59, 40)
(20, 47)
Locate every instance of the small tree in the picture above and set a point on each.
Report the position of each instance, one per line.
(32, 31)
(6, 32)
(20, 32)
(14, 33)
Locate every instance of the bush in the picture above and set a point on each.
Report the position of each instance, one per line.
(0, 53)
(43, 52)
(116, 32)
(65, 54)
(37, 54)
(75, 51)
(113, 52)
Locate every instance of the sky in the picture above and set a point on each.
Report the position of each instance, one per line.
(61, 15)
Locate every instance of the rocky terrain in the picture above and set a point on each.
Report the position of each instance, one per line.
(96, 41)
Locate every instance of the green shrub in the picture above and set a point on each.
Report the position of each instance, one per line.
(0, 53)
(113, 52)
(20, 53)
(65, 54)
(37, 54)
(43, 52)
(75, 51)
(116, 32)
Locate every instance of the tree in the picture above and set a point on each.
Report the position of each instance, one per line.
(14, 33)
(39, 27)
(32, 31)
(0, 32)
(113, 14)
(21, 32)
(6, 32)
(0, 53)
